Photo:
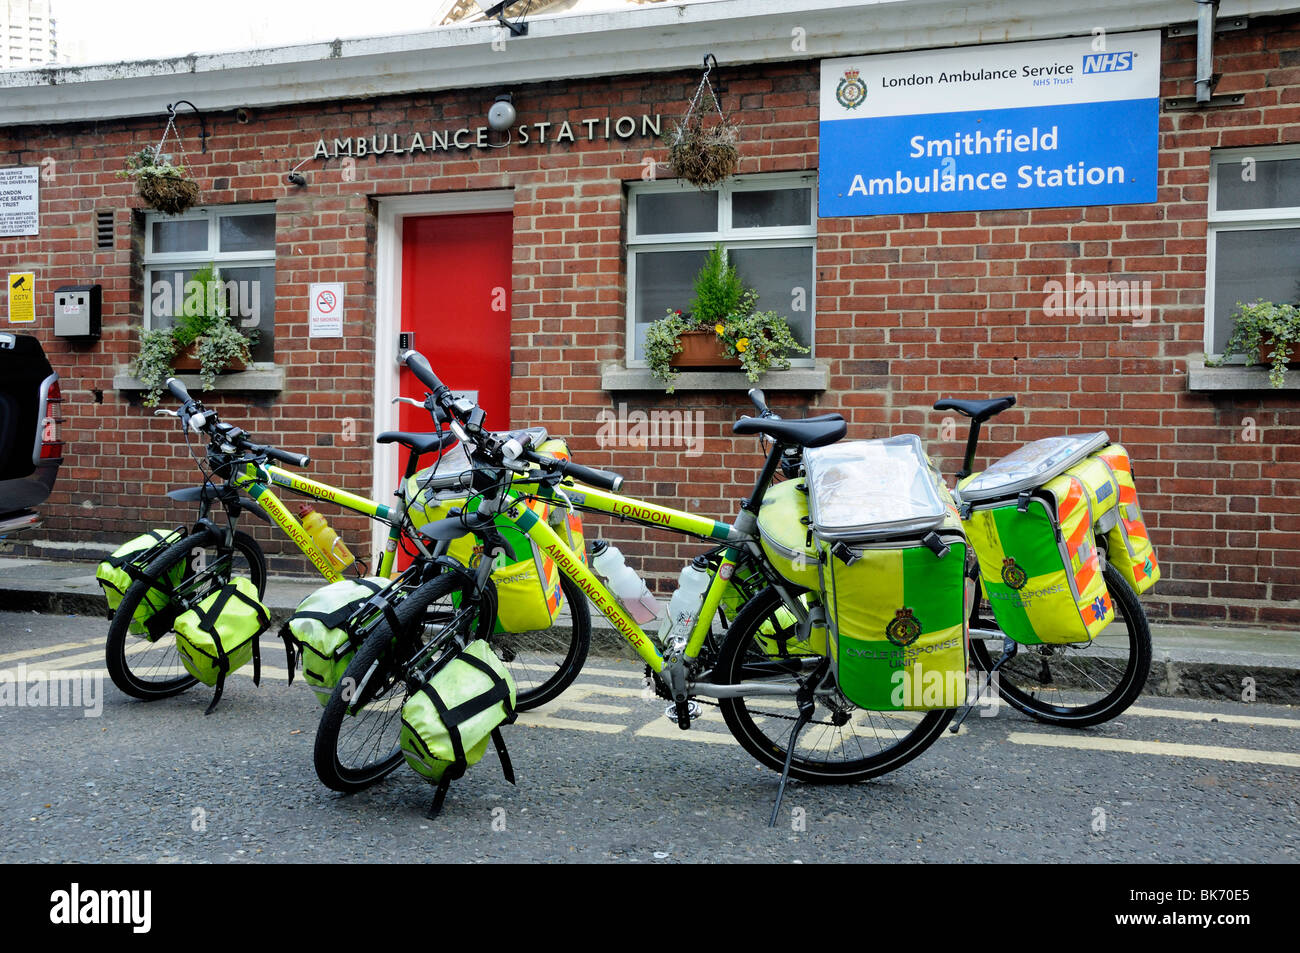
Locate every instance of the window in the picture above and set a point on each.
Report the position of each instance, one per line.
(239, 240)
(768, 225)
(1254, 234)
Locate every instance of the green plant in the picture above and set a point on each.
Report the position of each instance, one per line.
(153, 364)
(202, 318)
(1259, 323)
(759, 340)
(719, 292)
(164, 186)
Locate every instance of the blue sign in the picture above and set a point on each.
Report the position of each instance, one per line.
(1024, 125)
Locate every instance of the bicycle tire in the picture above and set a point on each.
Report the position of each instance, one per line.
(150, 670)
(909, 733)
(355, 749)
(558, 653)
(1045, 695)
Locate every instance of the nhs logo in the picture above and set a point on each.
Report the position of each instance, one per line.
(1107, 62)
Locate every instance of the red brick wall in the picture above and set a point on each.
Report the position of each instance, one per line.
(909, 308)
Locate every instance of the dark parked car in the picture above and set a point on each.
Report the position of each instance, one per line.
(30, 449)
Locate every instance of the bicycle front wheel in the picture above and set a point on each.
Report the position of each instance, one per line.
(1079, 684)
(147, 665)
(359, 738)
(843, 743)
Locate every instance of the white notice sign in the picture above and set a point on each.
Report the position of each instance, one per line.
(18, 201)
(326, 310)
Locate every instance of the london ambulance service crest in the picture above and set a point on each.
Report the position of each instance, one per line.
(904, 629)
(852, 90)
(1013, 575)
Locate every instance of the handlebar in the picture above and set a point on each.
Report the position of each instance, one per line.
(193, 415)
(602, 479)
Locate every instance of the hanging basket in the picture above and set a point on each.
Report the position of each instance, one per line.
(704, 155)
(172, 194)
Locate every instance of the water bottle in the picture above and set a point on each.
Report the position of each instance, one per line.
(623, 581)
(325, 538)
(684, 607)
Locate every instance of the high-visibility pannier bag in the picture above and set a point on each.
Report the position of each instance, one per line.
(323, 630)
(448, 721)
(785, 532)
(220, 634)
(126, 564)
(528, 587)
(1030, 520)
(893, 574)
(1128, 544)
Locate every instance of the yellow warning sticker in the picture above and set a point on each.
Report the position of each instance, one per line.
(22, 297)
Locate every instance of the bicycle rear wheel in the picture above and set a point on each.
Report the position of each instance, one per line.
(358, 741)
(1079, 684)
(200, 564)
(843, 743)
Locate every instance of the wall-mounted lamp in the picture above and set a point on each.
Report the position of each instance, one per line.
(502, 115)
(297, 178)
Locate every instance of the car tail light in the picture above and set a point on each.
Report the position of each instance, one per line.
(51, 445)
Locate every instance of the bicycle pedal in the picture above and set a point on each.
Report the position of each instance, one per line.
(692, 708)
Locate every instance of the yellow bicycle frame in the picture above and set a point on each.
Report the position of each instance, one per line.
(256, 481)
(645, 513)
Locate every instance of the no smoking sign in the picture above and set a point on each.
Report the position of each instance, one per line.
(325, 312)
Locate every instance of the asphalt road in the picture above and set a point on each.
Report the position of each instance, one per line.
(603, 776)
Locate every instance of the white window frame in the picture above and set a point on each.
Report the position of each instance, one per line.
(1237, 220)
(213, 214)
(786, 236)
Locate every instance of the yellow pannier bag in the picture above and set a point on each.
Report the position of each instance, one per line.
(1039, 565)
(528, 587)
(1128, 543)
(220, 634)
(892, 564)
(786, 534)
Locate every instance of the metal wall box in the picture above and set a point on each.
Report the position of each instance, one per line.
(77, 310)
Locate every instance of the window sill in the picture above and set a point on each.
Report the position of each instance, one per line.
(1235, 377)
(261, 378)
(618, 378)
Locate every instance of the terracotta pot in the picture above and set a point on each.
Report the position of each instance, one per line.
(703, 349)
(188, 362)
(1266, 353)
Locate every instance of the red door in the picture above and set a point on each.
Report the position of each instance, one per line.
(456, 299)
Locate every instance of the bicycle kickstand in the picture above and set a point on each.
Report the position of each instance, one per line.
(1009, 648)
(805, 701)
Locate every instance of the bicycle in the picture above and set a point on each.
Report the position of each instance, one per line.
(767, 697)
(1077, 685)
(210, 554)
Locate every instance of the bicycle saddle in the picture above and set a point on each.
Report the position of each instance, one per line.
(421, 443)
(813, 432)
(980, 410)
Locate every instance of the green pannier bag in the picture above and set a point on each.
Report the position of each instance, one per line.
(894, 581)
(447, 721)
(1030, 518)
(322, 632)
(126, 564)
(220, 635)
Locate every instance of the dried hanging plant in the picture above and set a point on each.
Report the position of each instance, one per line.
(704, 155)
